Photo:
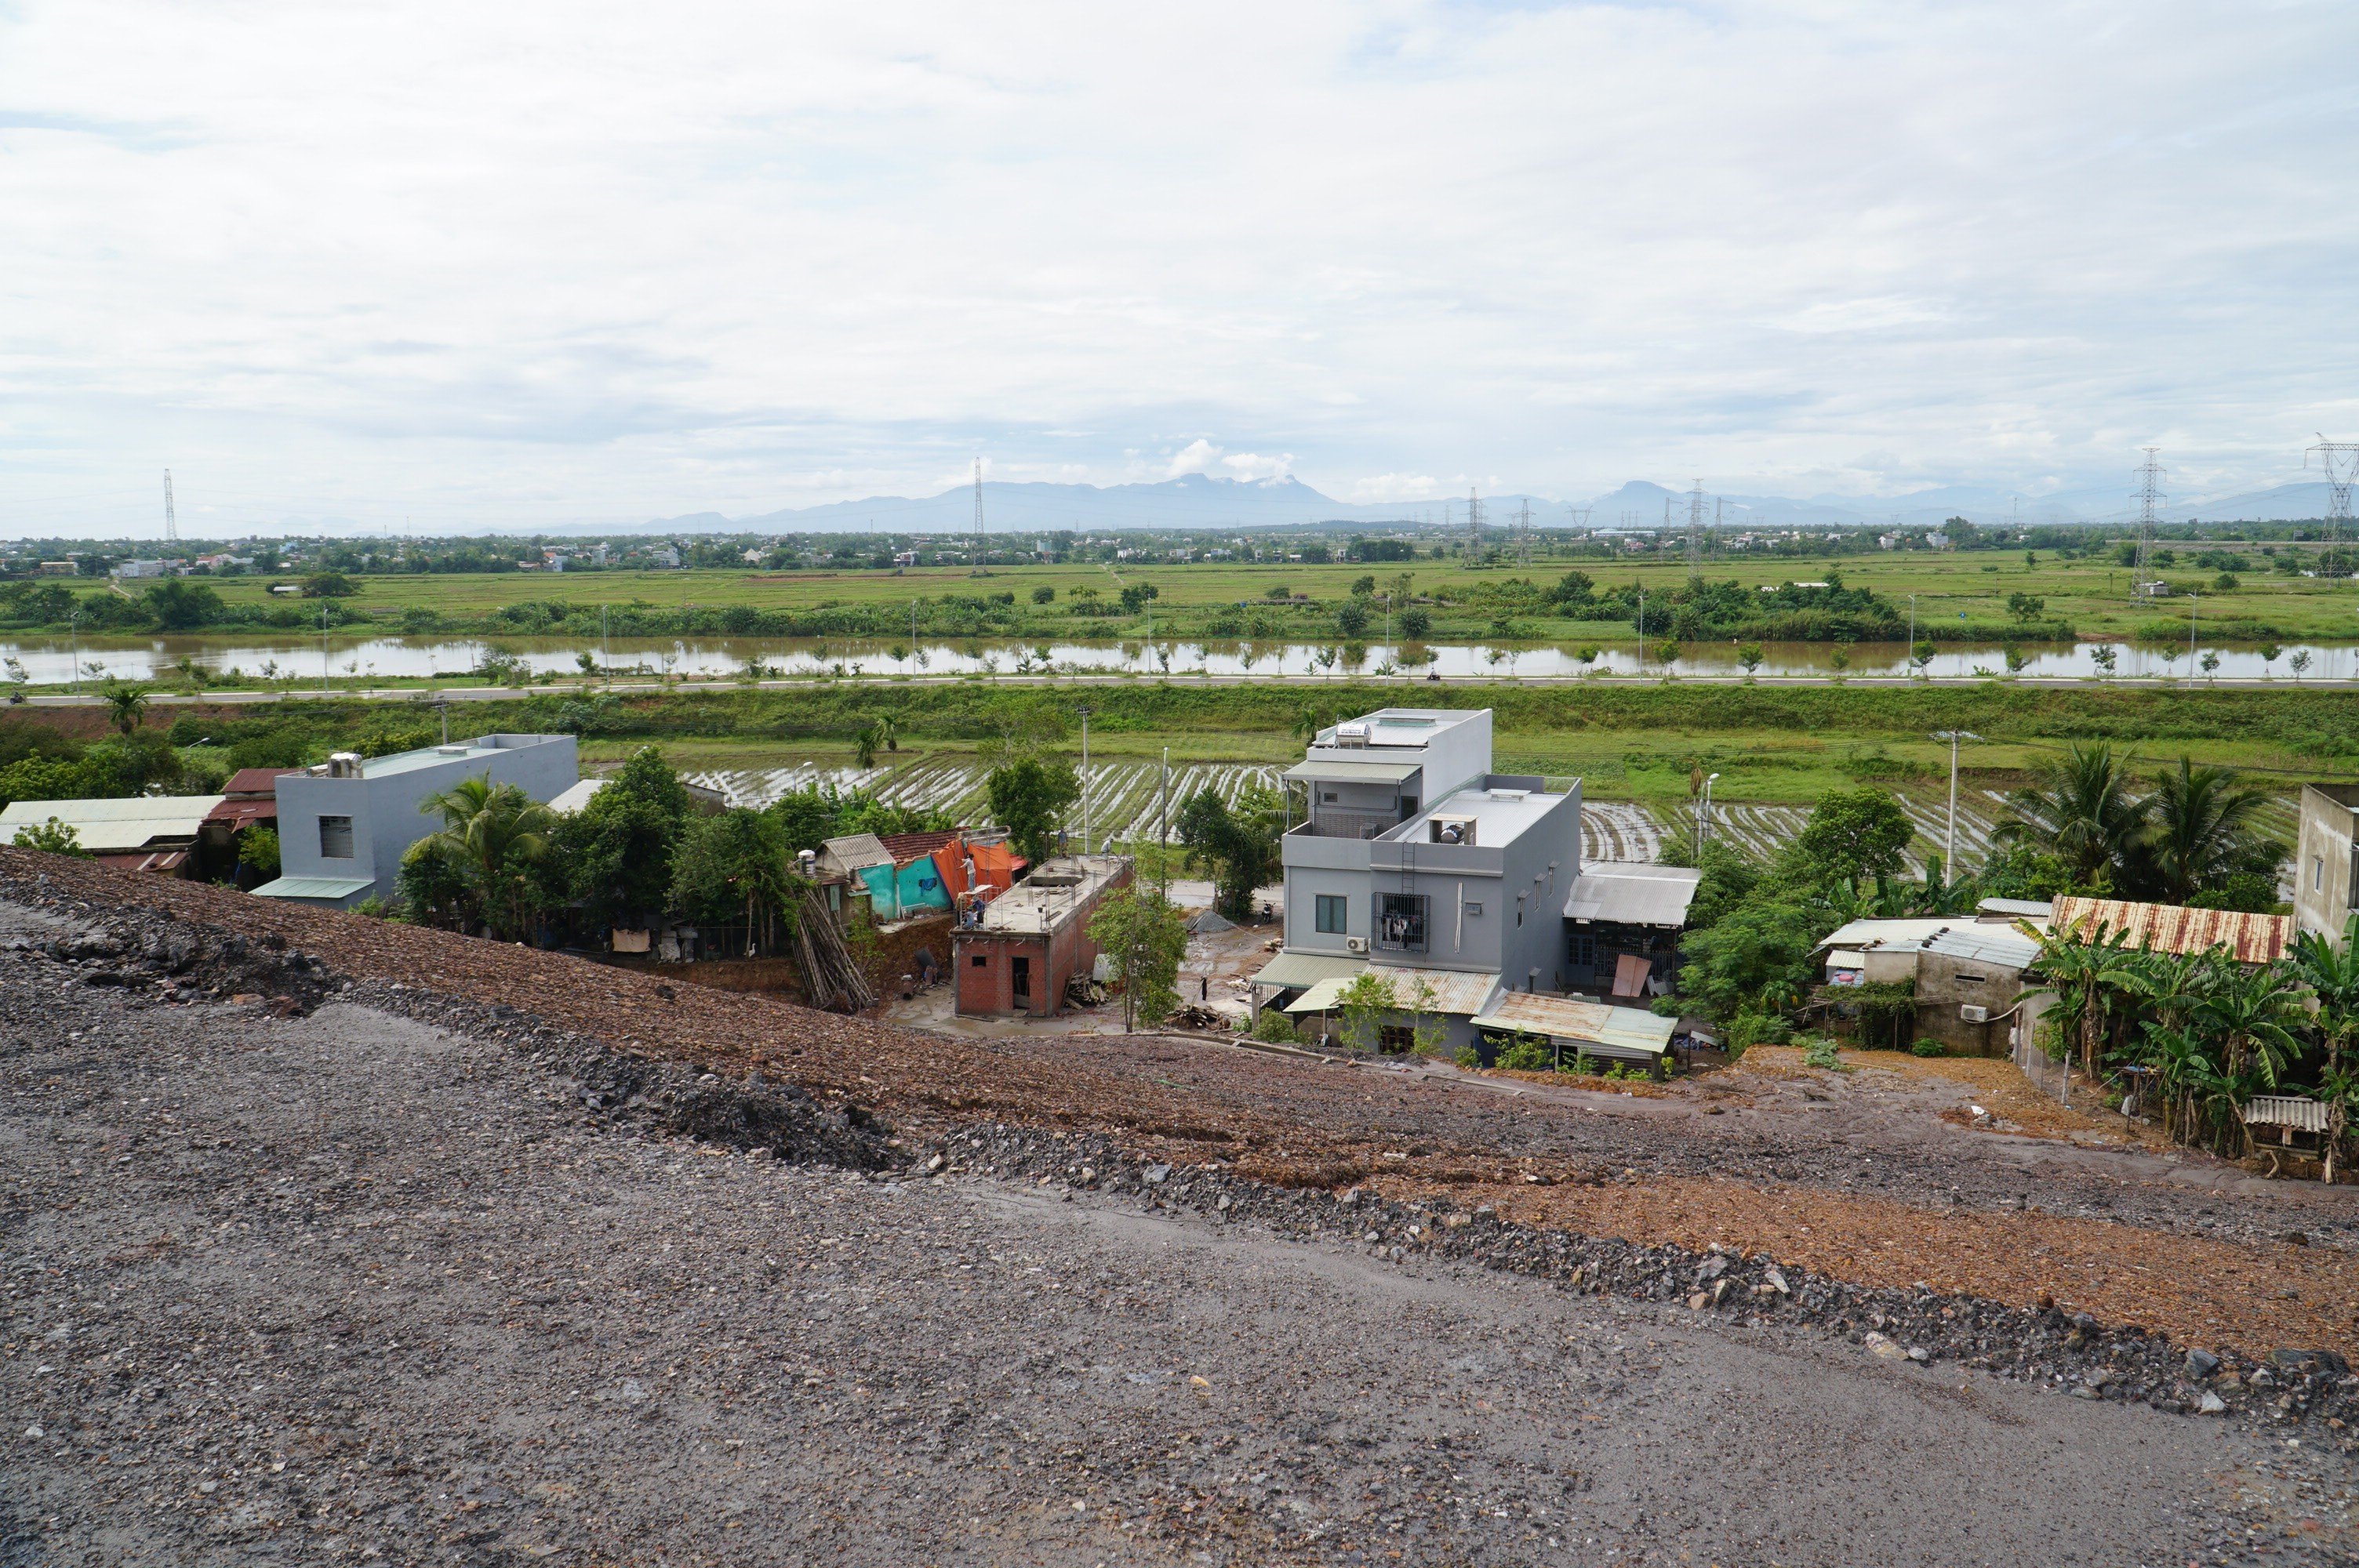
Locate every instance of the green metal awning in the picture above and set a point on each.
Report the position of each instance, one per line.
(1290, 971)
(314, 887)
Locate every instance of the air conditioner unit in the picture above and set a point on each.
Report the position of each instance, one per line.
(1355, 943)
(1974, 1013)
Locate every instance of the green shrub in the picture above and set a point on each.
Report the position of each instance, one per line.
(1274, 1027)
(1467, 1057)
(1929, 1047)
(1528, 1054)
(1820, 1052)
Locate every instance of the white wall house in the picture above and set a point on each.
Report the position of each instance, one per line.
(345, 825)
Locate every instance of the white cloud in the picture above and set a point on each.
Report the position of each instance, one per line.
(1200, 456)
(542, 261)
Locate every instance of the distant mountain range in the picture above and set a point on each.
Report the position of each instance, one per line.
(1197, 502)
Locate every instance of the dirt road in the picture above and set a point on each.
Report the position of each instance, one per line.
(346, 1288)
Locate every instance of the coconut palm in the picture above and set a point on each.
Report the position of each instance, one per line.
(495, 832)
(2080, 808)
(126, 706)
(2201, 828)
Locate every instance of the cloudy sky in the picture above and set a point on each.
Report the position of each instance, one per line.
(533, 262)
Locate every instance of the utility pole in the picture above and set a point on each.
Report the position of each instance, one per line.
(1695, 530)
(1912, 627)
(171, 523)
(1085, 778)
(1163, 828)
(1642, 630)
(2191, 638)
(323, 645)
(1950, 843)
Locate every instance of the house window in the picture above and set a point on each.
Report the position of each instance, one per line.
(1327, 796)
(1331, 914)
(1400, 920)
(981, 962)
(335, 837)
(1396, 1038)
(1585, 951)
(2318, 873)
(1971, 979)
(1473, 912)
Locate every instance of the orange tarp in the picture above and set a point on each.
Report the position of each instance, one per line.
(994, 865)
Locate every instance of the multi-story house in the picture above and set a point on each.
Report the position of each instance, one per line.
(1416, 861)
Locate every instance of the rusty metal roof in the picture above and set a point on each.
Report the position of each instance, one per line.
(2173, 928)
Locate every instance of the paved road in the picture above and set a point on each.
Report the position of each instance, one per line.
(293, 1290)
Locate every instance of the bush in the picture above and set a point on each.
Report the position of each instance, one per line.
(1820, 1052)
(1526, 1053)
(1928, 1048)
(1415, 624)
(1274, 1027)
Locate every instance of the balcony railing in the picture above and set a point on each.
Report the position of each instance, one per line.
(1327, 823)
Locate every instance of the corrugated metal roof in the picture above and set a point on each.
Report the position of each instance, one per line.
(312, 887)
(2173, 928)
(1633, 894)
(1453, 990)
(855, 851)
(1352, 772)
(1626, 1032)
(115, 826)
(2016, 908)
(1289, 970)
(256, 781)
(1906, 933)
(1992, 945)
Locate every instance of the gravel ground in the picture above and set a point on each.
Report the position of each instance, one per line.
(345, 1287)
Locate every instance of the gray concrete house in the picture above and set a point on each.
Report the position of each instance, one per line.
(1417, 864)
(2326, 859)
(345, 825)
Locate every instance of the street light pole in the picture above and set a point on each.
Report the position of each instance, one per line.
(1949, 844)
(1912, 627)
(1703, 815)
(2191, 597)
(1085, 779)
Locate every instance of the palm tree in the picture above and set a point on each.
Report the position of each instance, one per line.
(2080, 809)
(2201, 828)
(126, 706)
(495, 832)
(2250, 1015)
(2086, 974)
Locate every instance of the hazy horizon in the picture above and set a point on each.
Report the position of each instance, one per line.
(451, 267)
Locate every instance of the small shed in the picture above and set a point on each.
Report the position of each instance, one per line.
(1628, 1034)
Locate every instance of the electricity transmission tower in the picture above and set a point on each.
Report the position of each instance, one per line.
(2341, 461)
(2149, 477)
(1580, 515)
(1523, 534)
(1474, 528)
(1695, 529)
(172, 524)
(978, 497)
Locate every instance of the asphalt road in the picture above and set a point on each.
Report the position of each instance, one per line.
(346, 1288)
